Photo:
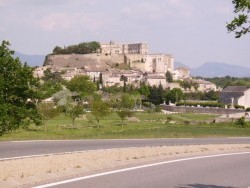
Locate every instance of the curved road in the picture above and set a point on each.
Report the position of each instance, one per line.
(221, 171)
(27, 148)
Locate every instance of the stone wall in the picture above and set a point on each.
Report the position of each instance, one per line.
(201, 110)
(75, 60)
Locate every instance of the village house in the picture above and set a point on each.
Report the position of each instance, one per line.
(236, 95)
(181, 73)
(156, 80)
(118, 77)
(144, 67)
(205, 86)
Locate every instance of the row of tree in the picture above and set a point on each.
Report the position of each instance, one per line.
(82, 48)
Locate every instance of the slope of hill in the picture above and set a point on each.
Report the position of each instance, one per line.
(178, 64)
(32, 60)
(213, 69)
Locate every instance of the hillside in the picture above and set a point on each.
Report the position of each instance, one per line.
(214, 69)
(31, 60)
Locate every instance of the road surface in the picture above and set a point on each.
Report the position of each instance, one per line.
(220, 171)
(28, 148)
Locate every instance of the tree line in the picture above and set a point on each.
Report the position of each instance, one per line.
(82, 48)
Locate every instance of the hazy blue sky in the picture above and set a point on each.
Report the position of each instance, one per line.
(192, 30)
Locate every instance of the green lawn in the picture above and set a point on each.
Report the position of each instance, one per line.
(145, 125)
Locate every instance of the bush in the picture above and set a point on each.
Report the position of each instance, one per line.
(241, 122)
(248, 109)
(147, 104)
(203, 104)
(239, 107)
(158, 108)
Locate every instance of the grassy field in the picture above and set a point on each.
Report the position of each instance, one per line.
(142, 125)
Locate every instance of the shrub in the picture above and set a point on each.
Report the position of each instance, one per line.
(248, 109)
(158, 108)
(239, 107)
(241, 122)
(203, 104)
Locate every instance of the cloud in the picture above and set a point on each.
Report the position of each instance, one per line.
(155, 10)
(225, 10)
(67, 21)
(3, 3)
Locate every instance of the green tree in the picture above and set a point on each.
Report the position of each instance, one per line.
(65, 102)
(144, 90)
(17, 92)
(240, 25)
(125, 106)
(99, 108)
(156, 95)
(82, 48)
(169, 77)
(50, 83)
(74, 110)
(174, 95)
(47, 111)
(185, 84)
(82, 85)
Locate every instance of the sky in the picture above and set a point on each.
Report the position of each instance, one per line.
(193, 31)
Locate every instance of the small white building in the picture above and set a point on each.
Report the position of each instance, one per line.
(156, 80)
(236, 95)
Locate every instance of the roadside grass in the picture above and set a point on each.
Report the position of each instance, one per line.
(148, 125)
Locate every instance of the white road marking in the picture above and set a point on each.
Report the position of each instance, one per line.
(134, 168)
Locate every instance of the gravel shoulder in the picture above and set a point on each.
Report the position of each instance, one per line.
(38, 170)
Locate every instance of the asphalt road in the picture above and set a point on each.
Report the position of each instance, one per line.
(215, 172)
(19, 149)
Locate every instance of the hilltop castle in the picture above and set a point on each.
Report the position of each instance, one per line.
(141, 65)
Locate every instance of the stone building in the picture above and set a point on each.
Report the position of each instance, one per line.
(131, 48)
(151, 63)
(181, 73)
(236, 95)
(205, 86)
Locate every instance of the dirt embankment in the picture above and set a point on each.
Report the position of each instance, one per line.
(29, 171)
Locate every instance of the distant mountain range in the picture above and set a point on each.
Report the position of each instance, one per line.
(31, 60)
(216, 69)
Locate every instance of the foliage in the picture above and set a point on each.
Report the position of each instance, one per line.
(203, 104)
(241, 122)
(240, 25)
(229, 81)
(185, 84)
(125, 106)
(174, 95)
(99, 108)
(113, 89)
(17, 91)
(158, 108)
(47, 89)
(47, 111)
(74, 110)
(50, 83)
(144, 90)
(52, 77)
(82, 85)
(64, 101)
(169, 77)
(188, 84)
(239, 107)
(156, 95)
(82, 48)
(248, 109)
